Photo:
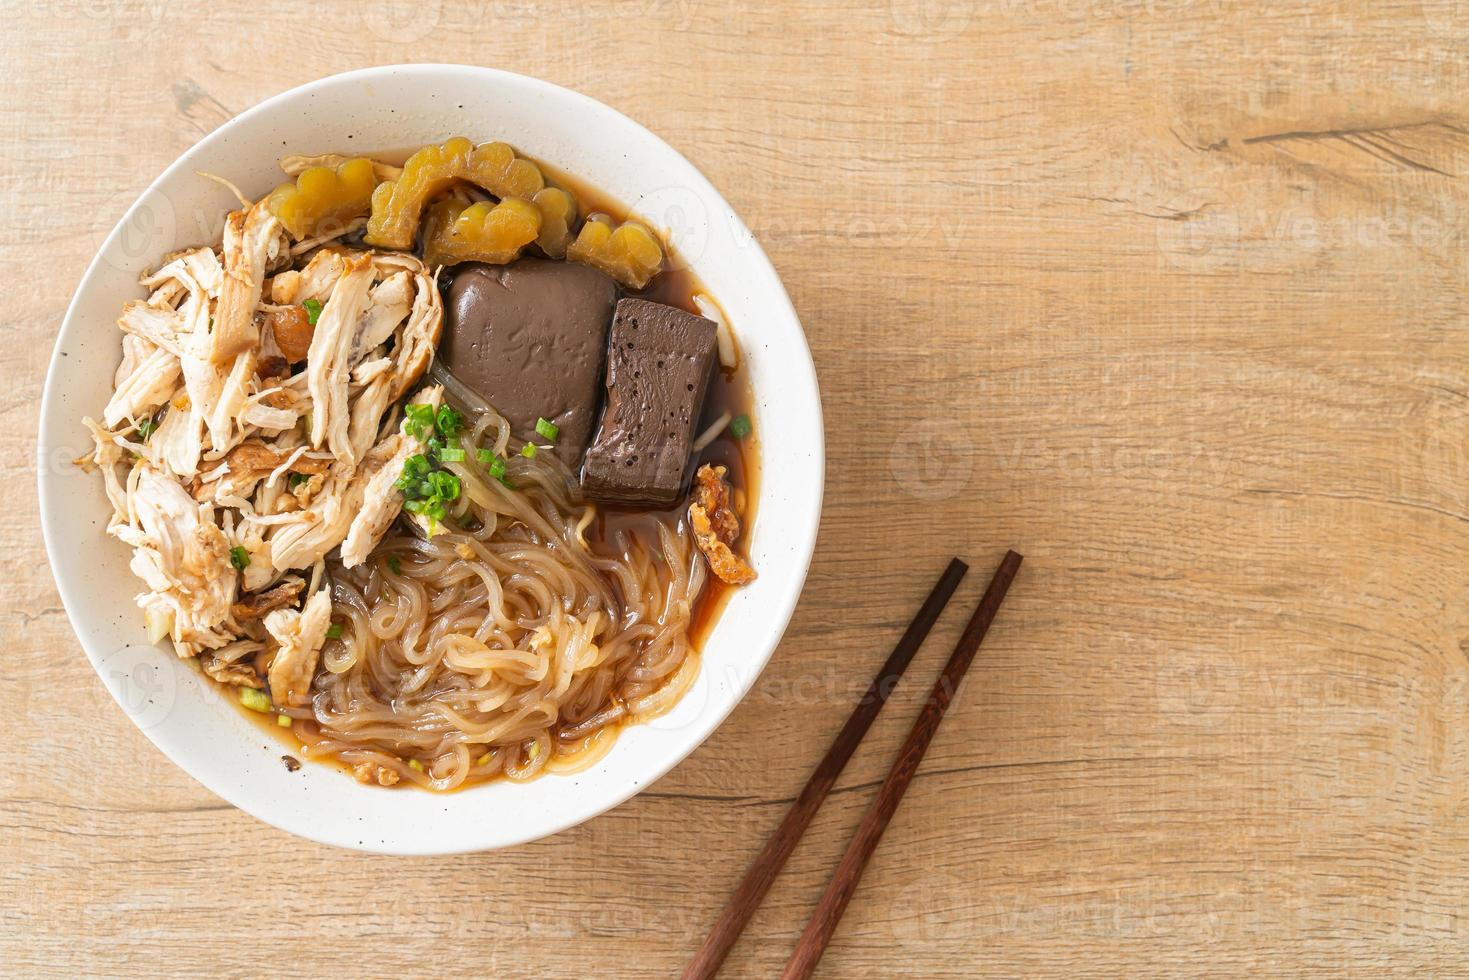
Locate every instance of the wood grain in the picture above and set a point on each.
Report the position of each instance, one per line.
(848, 874)
(747, 895)
(1167, 294)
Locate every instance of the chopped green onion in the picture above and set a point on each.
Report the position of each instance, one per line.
(498, 472)
(534, 751)
(418, 421)
(415, 764)
(448, 421)
(296, 479)
(334, 631)
(426, 507)
(254, 699)
(146, 428)
(416, 467)
(451, 455)
(547, 430)
(446, 485)
(528, 450)
(239, 557)
(740, 427)
(395, 564)
(495, 464)
(413, 481)
(283, 720)
(313, 310)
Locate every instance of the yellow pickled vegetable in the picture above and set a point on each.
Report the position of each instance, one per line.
(323, 199)
(628, 253)
(482, 232)
(398, 205)
(297, 163)
(558, 219)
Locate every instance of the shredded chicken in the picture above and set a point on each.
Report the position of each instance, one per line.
(717, 527)
(328, 361)
(229, 665)
(252, 240)
(256, 604)
(382, 501)
(183, 557)
(228, 473)
(299, 636)
(313, 281)
(145, 380)
(252, 461)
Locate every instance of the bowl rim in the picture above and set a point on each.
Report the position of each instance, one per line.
(807, 498)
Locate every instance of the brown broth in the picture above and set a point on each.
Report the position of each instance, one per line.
(730, 391)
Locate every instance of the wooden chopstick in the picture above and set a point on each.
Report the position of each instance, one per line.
(772, 857)
(844, 881)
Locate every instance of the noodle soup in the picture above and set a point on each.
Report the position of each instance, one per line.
(423, 566)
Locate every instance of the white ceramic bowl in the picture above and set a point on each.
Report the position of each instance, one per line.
(394, 107)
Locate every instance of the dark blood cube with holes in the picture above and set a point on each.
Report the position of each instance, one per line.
(659, 362)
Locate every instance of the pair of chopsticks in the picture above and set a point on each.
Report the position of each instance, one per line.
(772, 857)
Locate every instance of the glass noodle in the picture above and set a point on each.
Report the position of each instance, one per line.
(510, 649)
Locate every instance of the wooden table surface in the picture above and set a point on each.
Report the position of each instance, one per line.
(1169, 295)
